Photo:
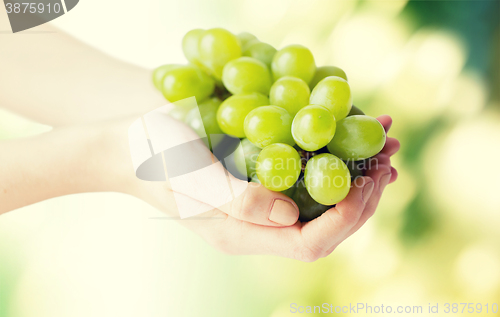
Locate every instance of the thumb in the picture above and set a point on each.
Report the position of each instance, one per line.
(213, 187)
(259, 205)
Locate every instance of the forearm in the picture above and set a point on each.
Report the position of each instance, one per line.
(61, 162)
(54, 79)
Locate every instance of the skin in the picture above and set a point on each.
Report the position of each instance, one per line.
(95, 114)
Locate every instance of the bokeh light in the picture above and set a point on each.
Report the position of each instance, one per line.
(476, 270)
(459, 174)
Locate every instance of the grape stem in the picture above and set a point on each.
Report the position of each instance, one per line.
(305, 156)
(221, 92)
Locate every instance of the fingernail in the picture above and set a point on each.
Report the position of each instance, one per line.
(283, 213)
(384, 180)
(367, 192)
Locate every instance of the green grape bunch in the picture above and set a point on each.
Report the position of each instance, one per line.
(300, 132)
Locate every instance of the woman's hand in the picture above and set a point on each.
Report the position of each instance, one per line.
(261, 221)
(96, 158)
(304, 241)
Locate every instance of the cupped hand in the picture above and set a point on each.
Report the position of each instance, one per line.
(260, 221)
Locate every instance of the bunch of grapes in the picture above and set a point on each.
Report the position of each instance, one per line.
(300, 133)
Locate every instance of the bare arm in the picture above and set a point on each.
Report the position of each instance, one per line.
(67, 160)
(55, 79)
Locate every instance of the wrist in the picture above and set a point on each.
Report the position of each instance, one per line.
(117, 172)
(111, 165)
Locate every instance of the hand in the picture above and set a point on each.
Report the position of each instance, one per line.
(264, 222)
(96, 157)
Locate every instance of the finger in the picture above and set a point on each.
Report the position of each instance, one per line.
(391, 146)
(259, 205)
(379, 159)
(386, 122)
(394, 175)
(381, 177)
(331, 227)
(382, 159)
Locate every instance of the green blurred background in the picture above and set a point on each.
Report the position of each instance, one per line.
(432, 65)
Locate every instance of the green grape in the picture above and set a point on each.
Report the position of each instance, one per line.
(187, 81)
(180, 112)
(313, 127)
(261, 51)
(278, 166)
(309, 209)
(245, 39)
(294, 60)
(232, 112)
(333, 93)
(246, 158)
(327, 179)
(355, 111)
(267, 125)
(357, 138)
(159, 74)
(204, 121)
(246, 74)
(290, 93)
(248, 44)
(190, 43)
(326, 71)
(217, 47)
